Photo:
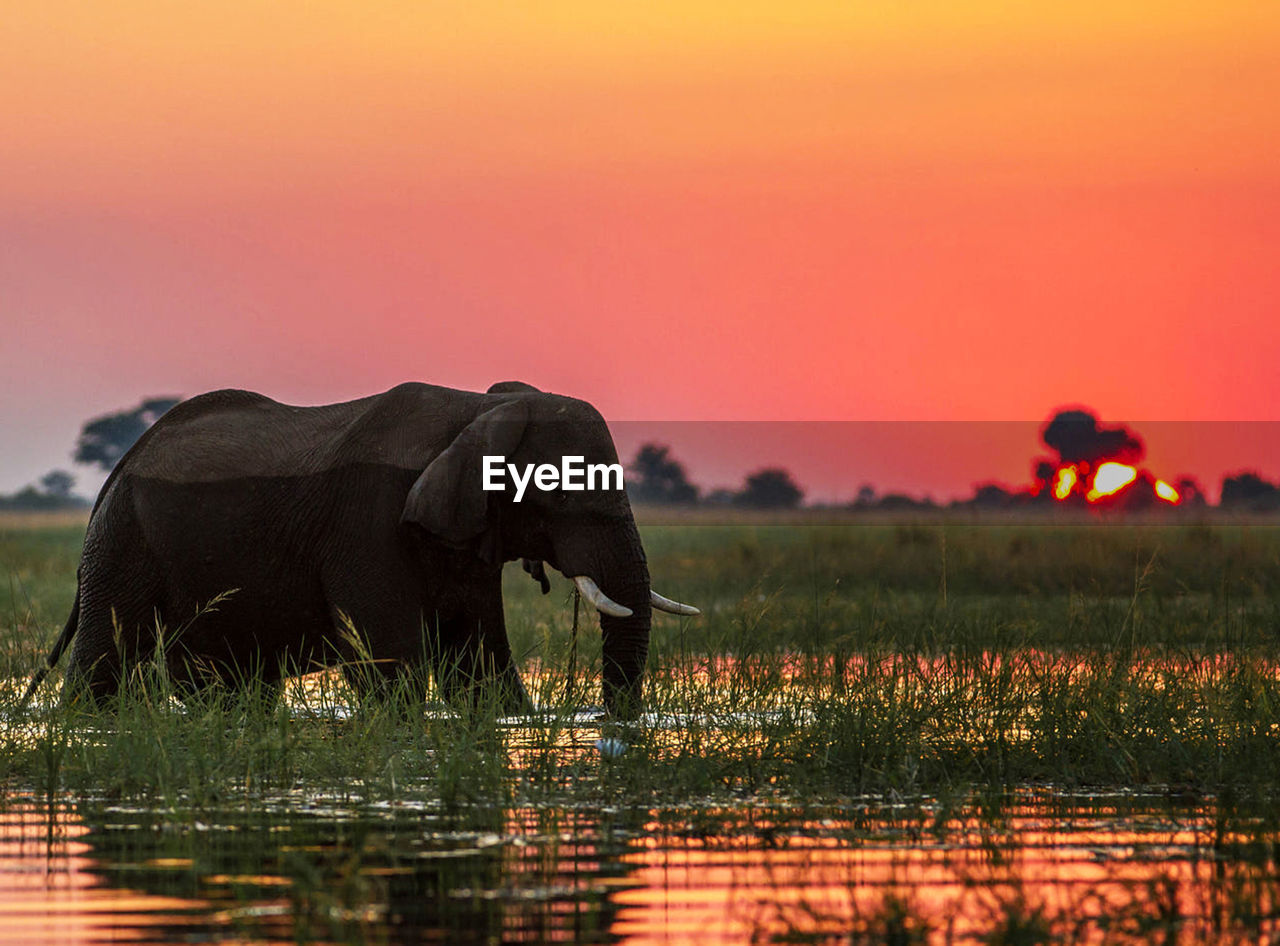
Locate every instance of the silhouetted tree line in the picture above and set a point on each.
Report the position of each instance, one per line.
(53, 492)
(655, 477)
(1249, 492)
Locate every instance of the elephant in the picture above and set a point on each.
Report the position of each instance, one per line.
(245, 539)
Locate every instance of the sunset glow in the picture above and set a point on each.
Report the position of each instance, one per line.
(815, 211)
(1167, 493)
(1109, 479)
(1064, 482)
(1106, 482)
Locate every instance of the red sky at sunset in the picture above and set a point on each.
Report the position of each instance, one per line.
(933, 211)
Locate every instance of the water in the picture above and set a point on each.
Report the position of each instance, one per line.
(1031, 864)
(317, 868)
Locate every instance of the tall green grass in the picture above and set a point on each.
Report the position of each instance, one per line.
(830, 661)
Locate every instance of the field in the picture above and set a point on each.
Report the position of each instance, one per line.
(851, 687)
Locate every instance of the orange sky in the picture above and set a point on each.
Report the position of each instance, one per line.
(772, 211)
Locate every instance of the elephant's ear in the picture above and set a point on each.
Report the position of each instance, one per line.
(512, 387)
(448, 500)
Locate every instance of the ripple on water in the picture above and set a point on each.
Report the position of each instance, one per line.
(306, 866)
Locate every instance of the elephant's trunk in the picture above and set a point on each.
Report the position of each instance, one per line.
(610, 554)
(626, 648)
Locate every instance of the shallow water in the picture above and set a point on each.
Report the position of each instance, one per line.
(1031, 865)
(311, 867)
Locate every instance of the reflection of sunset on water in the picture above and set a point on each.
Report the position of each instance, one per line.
(756, 881)
(49, 895)
(760, 870)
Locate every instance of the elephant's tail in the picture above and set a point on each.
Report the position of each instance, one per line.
(58, 647)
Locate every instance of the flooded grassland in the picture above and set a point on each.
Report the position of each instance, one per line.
(875, 733)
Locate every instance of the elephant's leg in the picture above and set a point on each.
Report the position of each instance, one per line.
(473, 662)
(384, 641)
(378, 648)
(383, 679)
(116, 634)
(201, 695)
(199, 683)
(257, 679)
(120, 600)
(391, 683)
(500, 671)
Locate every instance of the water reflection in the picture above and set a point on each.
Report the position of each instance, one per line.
(50, 891)
(312, 868)
(307, 869)
(1047, 868)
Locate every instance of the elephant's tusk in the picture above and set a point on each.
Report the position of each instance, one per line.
(672, 607)
(601, 601)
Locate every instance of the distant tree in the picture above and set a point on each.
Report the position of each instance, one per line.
(1043, 470)
(770, 488)
(27, 499)
(1249, 491)
(866, 496)
(1191, 491)
(57, 483)
(658, 478)
(720, 497)
(54, 492)
(1076, 436)
(104, 440)
(992, 496)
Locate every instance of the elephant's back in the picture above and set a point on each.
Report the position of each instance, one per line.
(233, 435)
(230, 435)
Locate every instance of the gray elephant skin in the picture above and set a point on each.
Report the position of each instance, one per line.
(306, 522)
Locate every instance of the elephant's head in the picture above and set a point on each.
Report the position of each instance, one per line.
(589, 535)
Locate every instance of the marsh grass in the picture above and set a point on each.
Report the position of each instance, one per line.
(830, 661)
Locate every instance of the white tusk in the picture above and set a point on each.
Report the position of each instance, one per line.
(672, 607)
(601, 601)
